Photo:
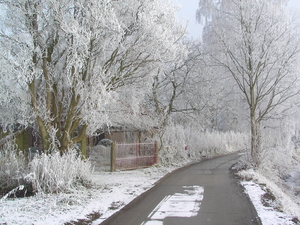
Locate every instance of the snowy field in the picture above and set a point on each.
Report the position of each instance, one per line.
(110, 193)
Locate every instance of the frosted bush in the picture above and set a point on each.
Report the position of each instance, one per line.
(55, 173)
(218, 143)
(173, 151)
(278, 149)
(188, 143)
(12, 167)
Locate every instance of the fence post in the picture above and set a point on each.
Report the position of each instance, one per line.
(113, 157)
(156, 151)
(137, 149)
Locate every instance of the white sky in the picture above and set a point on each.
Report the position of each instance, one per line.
(188, 13)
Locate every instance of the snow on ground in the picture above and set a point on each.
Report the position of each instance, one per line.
(267, 215)
(279, 208)
(112, 191)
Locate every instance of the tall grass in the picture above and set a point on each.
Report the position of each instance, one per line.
(51, 173)
(13, 167)
(55, 173)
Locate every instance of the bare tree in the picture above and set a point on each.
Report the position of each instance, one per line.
(256, 43)
(181, 94)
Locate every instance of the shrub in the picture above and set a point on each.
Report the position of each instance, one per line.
(12, 168)
(185, 143)
(45, 173)
(55, 173)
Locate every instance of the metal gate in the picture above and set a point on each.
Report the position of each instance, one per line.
(133, 156)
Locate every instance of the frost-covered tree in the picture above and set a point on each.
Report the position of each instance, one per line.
(180, 93)
(65, 60)
(171, 88)
(255, 42)
(191, 90)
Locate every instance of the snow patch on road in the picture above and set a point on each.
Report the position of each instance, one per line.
(185, 204)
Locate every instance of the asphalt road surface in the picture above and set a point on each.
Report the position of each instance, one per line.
(200, 194)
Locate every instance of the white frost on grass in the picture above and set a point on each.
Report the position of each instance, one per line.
(267, 215)
(281, 211)
(111, 192)
(114, 190)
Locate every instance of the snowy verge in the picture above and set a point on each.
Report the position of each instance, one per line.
(110, 192)
(273, 206)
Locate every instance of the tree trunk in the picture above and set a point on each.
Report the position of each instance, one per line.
(64, 144)
(67, 141)
(83, 148)
(255, 141)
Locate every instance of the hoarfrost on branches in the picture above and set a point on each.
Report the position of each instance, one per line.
(70, 58)
(256, 43)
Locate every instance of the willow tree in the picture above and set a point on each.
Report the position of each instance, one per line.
(256, 43)
(66, 58)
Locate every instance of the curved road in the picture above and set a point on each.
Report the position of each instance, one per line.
(200, 194)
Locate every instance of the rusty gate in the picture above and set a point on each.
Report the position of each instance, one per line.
(133, 156)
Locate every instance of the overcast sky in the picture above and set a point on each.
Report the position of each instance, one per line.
(188, 13)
